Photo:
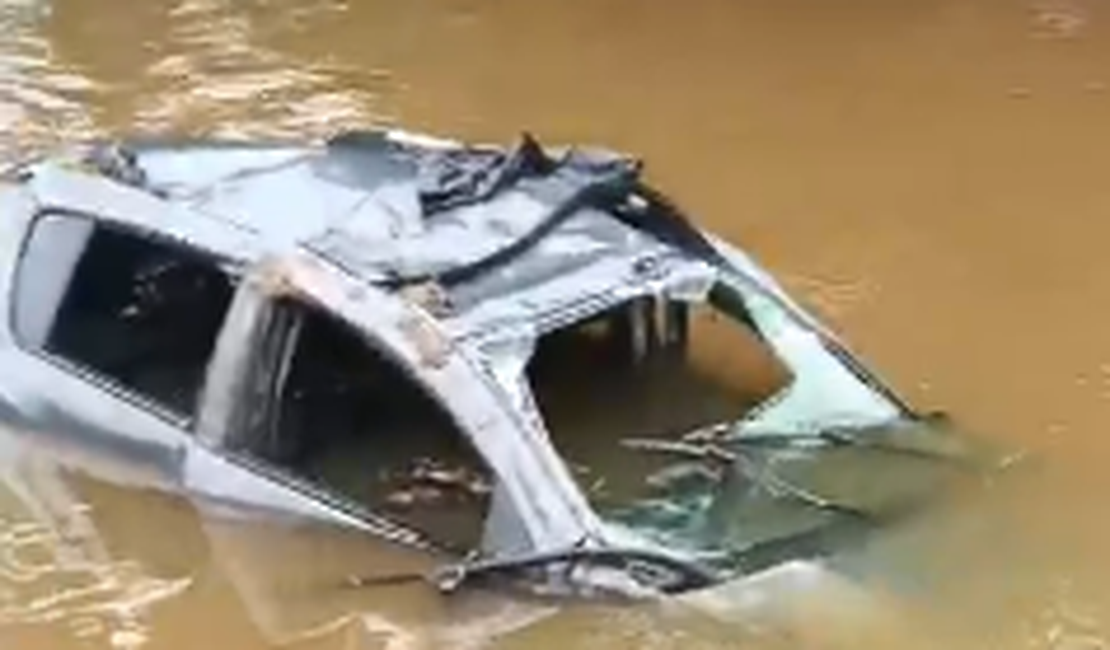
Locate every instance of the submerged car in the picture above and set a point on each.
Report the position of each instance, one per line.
(491, 353)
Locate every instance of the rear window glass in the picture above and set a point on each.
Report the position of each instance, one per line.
(134, 311)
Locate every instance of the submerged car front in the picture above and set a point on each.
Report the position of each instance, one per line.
(733, 432)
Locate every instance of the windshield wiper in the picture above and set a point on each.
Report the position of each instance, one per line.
(449, 577)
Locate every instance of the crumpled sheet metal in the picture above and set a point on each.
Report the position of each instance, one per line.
(580, 293)
(391, 237)
(471, 210)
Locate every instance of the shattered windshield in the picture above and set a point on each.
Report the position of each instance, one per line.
(726, 429)
(630, 373)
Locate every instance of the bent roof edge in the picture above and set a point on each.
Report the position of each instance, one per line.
(243, 200)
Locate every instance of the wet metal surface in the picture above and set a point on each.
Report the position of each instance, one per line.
(928, 174)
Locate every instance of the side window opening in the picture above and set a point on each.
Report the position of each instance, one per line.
(344, 416)
(142, 313)
(646, 369)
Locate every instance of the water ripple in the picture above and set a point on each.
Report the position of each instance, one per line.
(40, 102)
(211, 70)
(221, 76)
(51, 577)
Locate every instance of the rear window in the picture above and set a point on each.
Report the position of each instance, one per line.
(128, 309)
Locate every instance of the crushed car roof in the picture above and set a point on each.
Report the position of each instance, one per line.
(395, 209)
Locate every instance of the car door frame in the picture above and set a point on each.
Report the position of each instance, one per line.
(536, 501)
(62, 397)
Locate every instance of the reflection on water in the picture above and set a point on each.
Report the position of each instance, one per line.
(40, 101)
(56, 569)
(928, 173)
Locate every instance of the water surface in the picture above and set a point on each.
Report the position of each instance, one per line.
(929, 174)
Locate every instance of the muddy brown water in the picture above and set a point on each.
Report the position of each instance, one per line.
(928, 174)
